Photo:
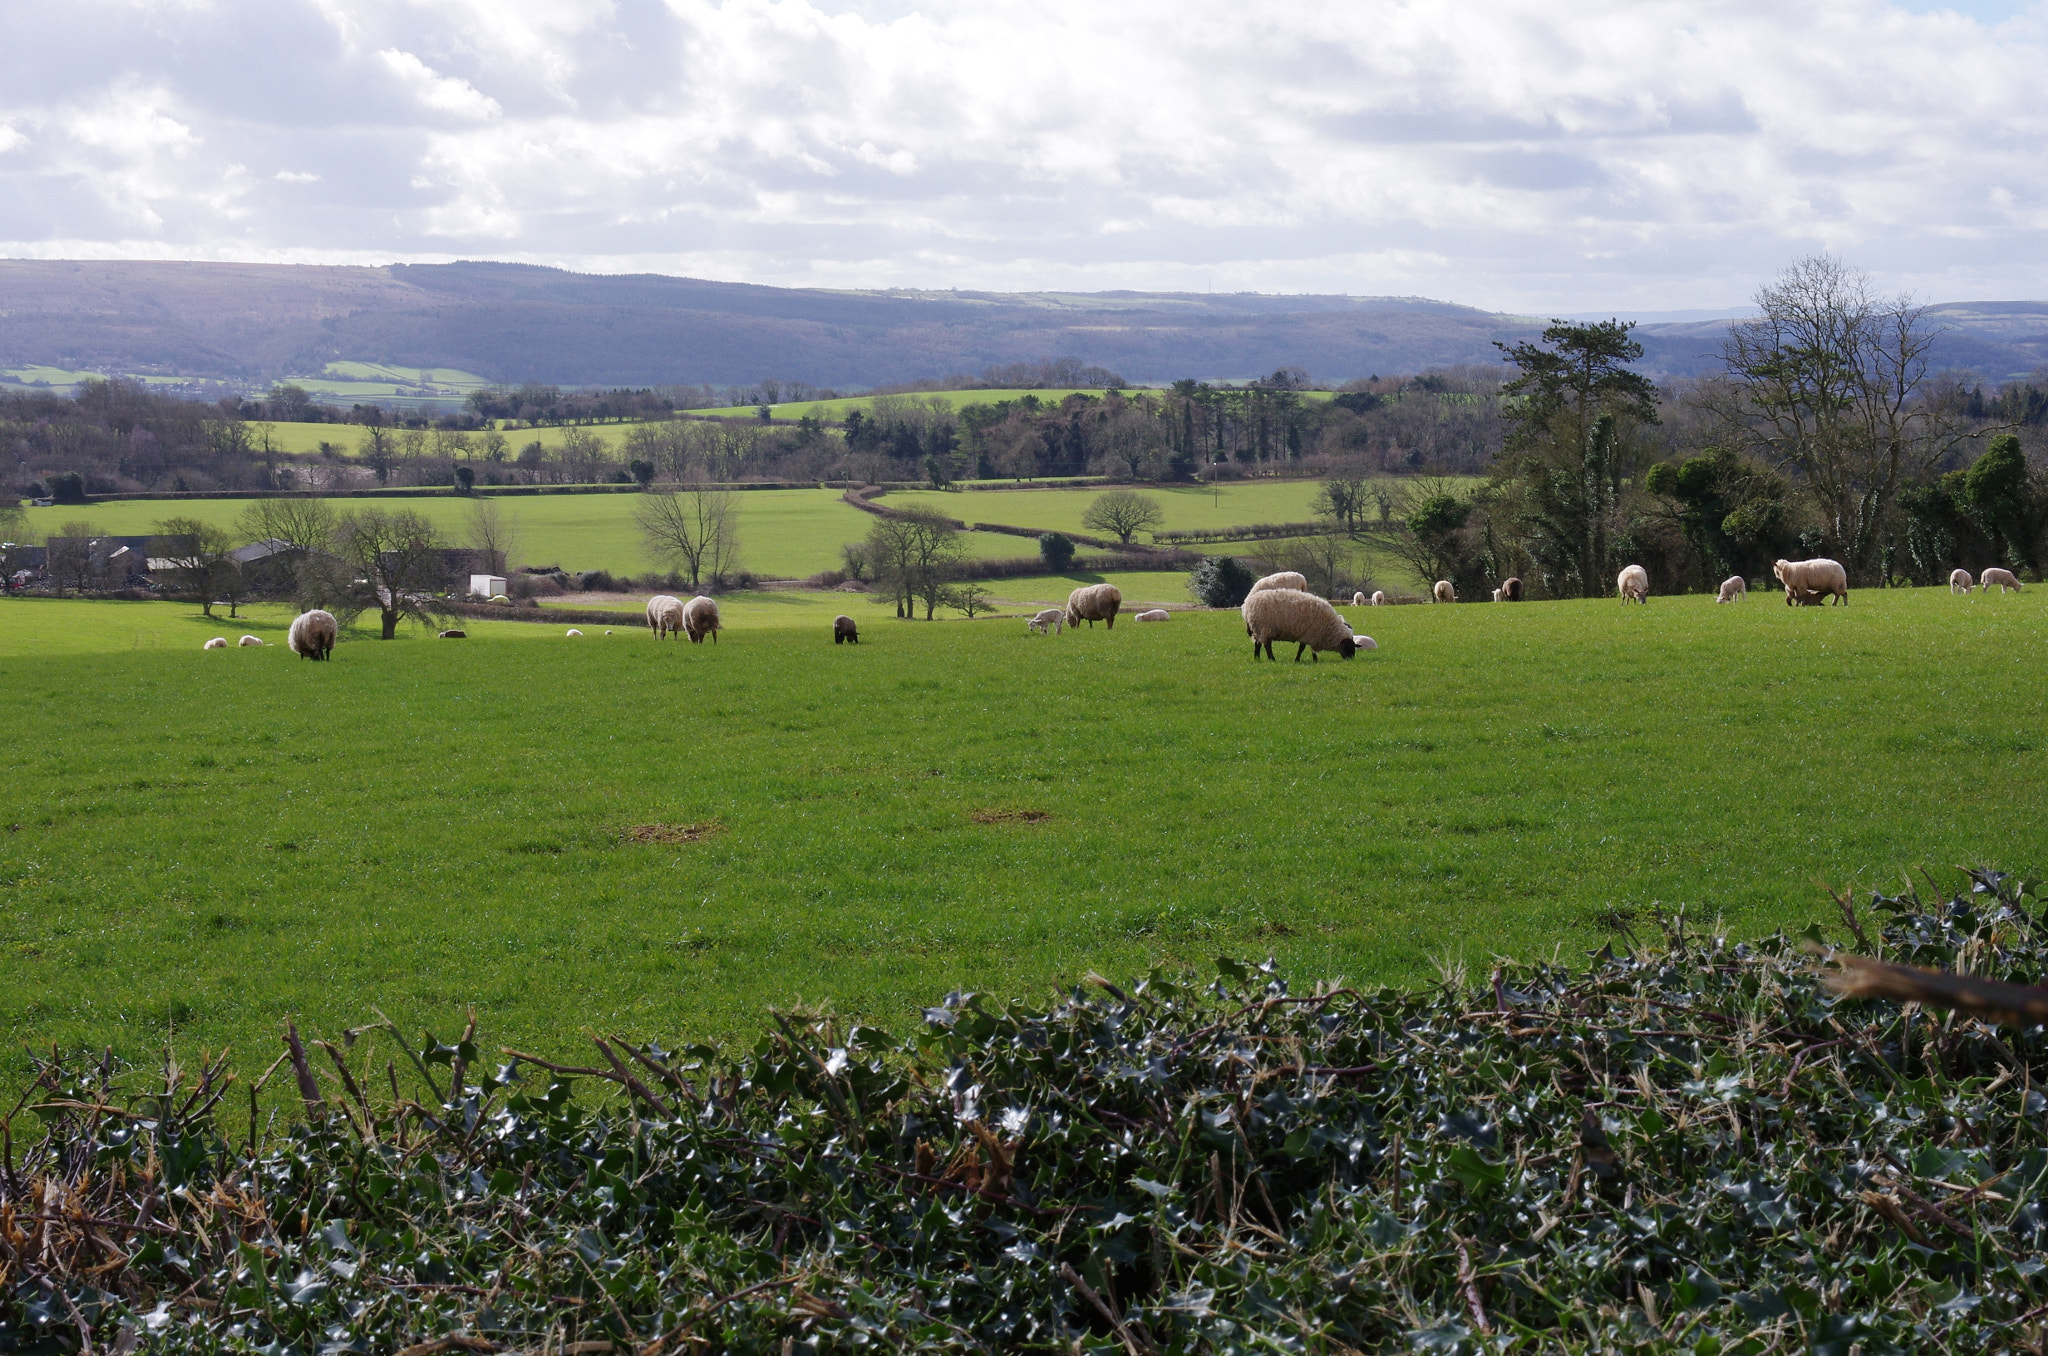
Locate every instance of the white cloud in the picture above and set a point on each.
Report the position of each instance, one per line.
(1526, 154)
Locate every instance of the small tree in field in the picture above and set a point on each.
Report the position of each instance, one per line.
(390, 563)
(972, 599)
(198, 553)
(1056, 551)
(1123, 513)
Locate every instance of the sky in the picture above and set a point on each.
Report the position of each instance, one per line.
(1521, 155)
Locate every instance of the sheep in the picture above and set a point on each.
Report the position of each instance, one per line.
(700, 619)
(1358, 600)
(1093, 603)
(572, 631)
(1633, 584)
(1511, 589)
(1817, 576)
(312, 634)
(453, 635)
(2003, 578)
(1379, 598)
(1959, 581)
(1500, 595)
(1048, 622)
(217, 643)
(1156, 614)
(665, 616)
(1733, 589)
(248, 642)
(1296, 615)
(1285, 579)
(1443, 592)
(844, 630)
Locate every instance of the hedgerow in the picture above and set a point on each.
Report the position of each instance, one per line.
(1685, 1143)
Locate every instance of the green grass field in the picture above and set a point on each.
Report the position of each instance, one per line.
(1187, 507)
(204, 842)
(785, 534)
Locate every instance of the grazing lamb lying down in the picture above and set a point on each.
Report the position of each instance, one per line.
(1095, 603)
(1292, 614)
(312, 634)
(1633, 584)
(217, 643)
(1379, 598)
(1959, 581)
(665, 616)
(1819, 575)
(1048, 622)
(453, 635)
(1285, 579)
(1733, 589)
(843, 630)
(700, 619)
(1358, 600)
(248, 642)
(2002, 578)
(1156, 614)
(1443, 592)
(574, 632)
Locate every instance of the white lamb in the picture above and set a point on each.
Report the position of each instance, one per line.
(1633, 584)
(1285, 579)
(1443, 592)
(1156, 614)
(2002, 578)
(1293, 614)
(574, 632)
(248, 642)
(665, 616)
(1379, 598)
(1049, 622)
(217, 643)
(1959, 581)
(1358, 600)
(1733, 589)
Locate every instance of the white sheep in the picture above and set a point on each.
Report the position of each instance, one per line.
(1156, 614)
(312, 634)
(249, 642)
(2002, 578)
(1285, 579)
(1296, 615)
(700, 619)
(1379, 598)
(572, 631)
(1048, 622)
(217, 643)
(1094, 603)
(665, 616)
(1633, 584)
(1733, 589)
(1500, 595)
(1808, 581)
(844, 630)
(1358, 600)
(1959, 581)
(1443, 592)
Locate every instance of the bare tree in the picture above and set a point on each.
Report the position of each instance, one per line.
(493, 532)
(1124, 513)
(912, 557)
(389, 562)
(693, 530)
(197, 553)
(1342, 495)
(307, 525)
(1829, 383)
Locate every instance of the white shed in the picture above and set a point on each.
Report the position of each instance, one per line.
(486, 585)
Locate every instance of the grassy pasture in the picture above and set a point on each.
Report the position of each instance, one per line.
(1187, 507)
(204, 842)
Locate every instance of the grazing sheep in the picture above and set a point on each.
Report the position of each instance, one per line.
(312, 634)
(700, 619)
(217, 643)
(453, 635)
(1156, 614)
(1048, 622)
(1816, 576)
(1510, 590)
(1959, 581)
(664, 616)
(1633, 584)
(1733, 589)
(608, 632)
(1285, 579)
(1293, 614)
(1443, 592)
(844, 631)
(247, 642)
(573, 632)
(1095, 603)
(1358, 600)
(1500, 595)
(1379, 598)
(2002, 578)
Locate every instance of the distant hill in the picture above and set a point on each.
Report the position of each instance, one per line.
(253, 323)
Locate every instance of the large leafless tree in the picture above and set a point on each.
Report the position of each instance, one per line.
(693, 530)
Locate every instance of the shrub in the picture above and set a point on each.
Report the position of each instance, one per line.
(1221, 581)
(597, 581)
(67, 487)
(1056, 551)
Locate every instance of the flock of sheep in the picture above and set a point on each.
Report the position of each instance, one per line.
(1278, 608)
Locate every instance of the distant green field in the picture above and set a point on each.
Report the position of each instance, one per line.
(783, 533)
(1187, 507)
(194, 845)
